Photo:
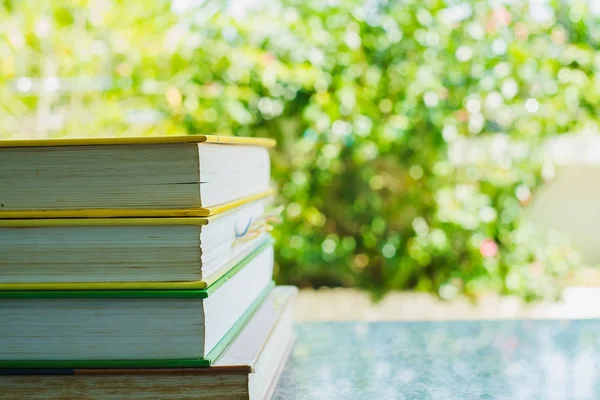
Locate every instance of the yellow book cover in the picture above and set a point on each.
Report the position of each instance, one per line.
(250, 141)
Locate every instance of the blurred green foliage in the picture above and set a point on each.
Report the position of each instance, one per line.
(365, 99)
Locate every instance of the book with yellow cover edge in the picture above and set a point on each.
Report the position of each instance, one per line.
(114, 214)
(130, 253)
(231, 267)
(170, 176)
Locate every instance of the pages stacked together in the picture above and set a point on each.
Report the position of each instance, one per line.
(123, 254)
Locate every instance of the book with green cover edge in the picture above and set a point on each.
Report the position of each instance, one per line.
(143, 293)
(235, 356)
(183, 363)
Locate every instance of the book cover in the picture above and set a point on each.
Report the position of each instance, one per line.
(250, 141)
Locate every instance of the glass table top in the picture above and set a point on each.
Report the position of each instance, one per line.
(444, 360)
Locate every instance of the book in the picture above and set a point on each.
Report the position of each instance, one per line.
(123, 177)
(128, 253)
(131, 328)
(248, 369)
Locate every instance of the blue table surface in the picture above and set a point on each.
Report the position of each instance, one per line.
(444, 360)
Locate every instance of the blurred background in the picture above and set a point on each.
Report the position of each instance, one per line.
(444, 146)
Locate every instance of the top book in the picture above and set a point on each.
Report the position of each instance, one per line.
(122, 177)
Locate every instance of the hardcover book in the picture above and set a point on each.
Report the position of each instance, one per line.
(248, 368)
(145, 176)
(131, 328)
(128, 253)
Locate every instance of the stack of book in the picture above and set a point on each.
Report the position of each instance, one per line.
(139, 268)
